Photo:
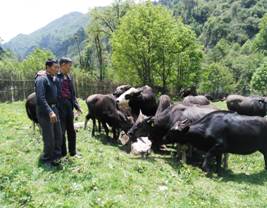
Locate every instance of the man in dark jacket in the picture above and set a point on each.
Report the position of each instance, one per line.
(47, 113)
(67, 101)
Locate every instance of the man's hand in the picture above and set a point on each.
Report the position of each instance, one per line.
(53, 117)
(41, 73)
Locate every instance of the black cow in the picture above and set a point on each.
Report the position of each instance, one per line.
(142, 98)
(188, 91)
(251, 106)
(164, 103)
(30, 106)
(158, 126)
(103, 108)
(223, 132)
(196, 100)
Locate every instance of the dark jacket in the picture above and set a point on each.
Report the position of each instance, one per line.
(60, 78)
(46, 93)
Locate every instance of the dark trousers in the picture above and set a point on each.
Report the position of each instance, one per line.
(67, 125)
(52, 137)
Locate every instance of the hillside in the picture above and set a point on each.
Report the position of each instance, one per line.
(236, 21)
(58, 36)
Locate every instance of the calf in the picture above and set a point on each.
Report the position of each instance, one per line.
(251, 106)
(103, 108)
(30, 106)
(223, 132)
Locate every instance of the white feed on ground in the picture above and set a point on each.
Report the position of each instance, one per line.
(141, 146)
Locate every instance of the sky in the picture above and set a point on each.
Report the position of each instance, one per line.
(26, 16)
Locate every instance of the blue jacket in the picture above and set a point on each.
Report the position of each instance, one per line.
(46, 93)
(60, 78)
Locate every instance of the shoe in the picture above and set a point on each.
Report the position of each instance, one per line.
(76, 155)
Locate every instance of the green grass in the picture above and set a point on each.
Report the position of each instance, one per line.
(106, 176)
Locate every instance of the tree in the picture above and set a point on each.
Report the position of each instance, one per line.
(34, 62)
(151, 47)
(216, 79)
(259, 79)
(104, 22)
(261, 37)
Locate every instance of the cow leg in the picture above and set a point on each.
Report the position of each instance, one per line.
(178, 151)
(105, 128)
(265, 158)
(99, 126)
(87, 118)
(184, 149)
(225, 160)
(33, 126)
(218, 163)
(114, 133)
(94, 126)
(214, 151)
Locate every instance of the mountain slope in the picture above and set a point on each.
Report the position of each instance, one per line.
(212, 20)
(58, 36)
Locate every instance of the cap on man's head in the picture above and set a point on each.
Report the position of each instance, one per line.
(50, 62)
(65, 60)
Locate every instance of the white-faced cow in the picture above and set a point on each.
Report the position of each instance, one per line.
(120, 90)
(139, 99)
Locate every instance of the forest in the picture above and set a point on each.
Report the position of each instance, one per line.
(217, 46)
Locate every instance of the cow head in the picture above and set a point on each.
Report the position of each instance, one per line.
(120, 90)
(261, 104)
(134, 95)
(141, 127)
(121, 100)
(177, 131)
(125, 122)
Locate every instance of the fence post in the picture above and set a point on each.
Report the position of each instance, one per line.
(12, 91)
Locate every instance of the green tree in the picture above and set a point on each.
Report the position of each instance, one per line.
(34, 62)
(261, 38)
(259, 79)
(216, 79)
(104, 21)
(151, 47)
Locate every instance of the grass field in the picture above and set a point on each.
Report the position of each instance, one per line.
(106, 176)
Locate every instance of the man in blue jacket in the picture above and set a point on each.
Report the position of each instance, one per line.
(67, 101)
(47, 113)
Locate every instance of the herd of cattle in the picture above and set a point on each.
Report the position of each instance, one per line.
(196, 127)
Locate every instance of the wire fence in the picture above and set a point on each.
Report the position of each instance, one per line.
(15, 90)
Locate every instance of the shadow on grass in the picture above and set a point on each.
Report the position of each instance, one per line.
(50, 168)
(258, 178)
(107, 140)
(227, 175)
